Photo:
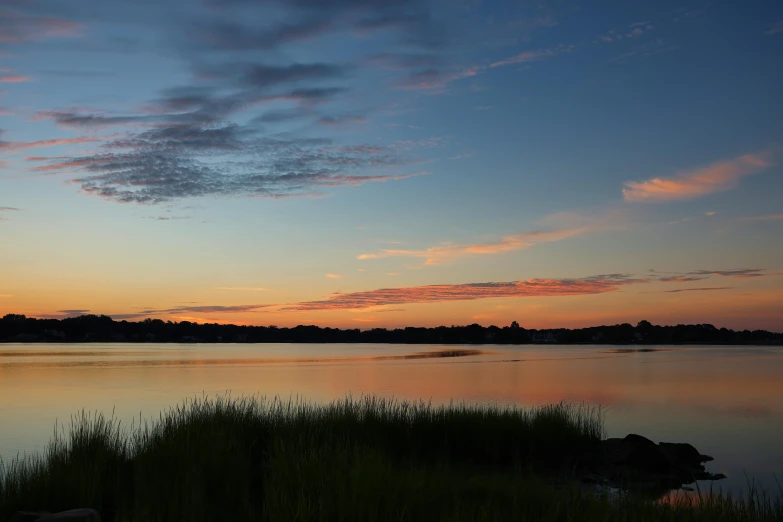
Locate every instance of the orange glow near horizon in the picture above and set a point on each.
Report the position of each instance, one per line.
(748, 304)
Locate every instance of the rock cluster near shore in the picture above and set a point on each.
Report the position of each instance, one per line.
(636, 462)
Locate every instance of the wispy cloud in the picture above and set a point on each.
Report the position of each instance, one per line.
(199, 309)
(242, 288)
(704, 289)
(767, 217)
(342, 120)
(334, 276)
(465, 292)
(438, 254)
(168, 218)
(17, 28)
(740, 273)
(680, 279)
(305, 20)
(211, 309)
(64, 314)
(186, 142)
(633, 31)
(3, 210)
(532, 56)
(435, 79)
(16, 146)
(187, 146)
(775, 28)
(13, 78)
(717, 177)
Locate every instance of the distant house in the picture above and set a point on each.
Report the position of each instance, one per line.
(58, 335)
(541, 337)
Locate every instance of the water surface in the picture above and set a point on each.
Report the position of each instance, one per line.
(727, 401)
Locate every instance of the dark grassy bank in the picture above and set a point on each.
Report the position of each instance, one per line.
(372, 459)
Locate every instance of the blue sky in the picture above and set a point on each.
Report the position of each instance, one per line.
(174, 158)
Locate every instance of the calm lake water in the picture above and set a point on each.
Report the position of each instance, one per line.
(727, 401)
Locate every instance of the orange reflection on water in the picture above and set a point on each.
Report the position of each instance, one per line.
(724, 400)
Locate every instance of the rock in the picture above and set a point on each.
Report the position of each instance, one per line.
(683, 453)
(637, 463)
(633, 438)
(649, 459)
(27, 516)
(73, 515)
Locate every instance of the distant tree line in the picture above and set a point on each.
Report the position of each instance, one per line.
(95, 328)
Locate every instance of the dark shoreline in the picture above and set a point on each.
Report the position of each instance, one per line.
(94, 328)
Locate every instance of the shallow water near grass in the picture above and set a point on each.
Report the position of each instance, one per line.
(726, 401)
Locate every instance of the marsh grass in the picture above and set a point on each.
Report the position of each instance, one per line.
(243, 459)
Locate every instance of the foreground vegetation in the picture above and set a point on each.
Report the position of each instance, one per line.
(369, 459)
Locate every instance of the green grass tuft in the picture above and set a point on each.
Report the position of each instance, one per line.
(362, 459)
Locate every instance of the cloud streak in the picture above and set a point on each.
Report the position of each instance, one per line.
(703, 289)
(718, 177)
(465, 292)
(16, 28)
(439, 254)
(768, 217)
(775, 28)
(16, 146)
(534, 55)
(242, 288)
(3, 210)
(739, 273)
(13, 78)
(680, 279)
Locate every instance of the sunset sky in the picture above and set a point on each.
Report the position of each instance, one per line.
(383, 163)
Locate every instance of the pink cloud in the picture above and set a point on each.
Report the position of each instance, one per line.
(702, 289)
(532, 56)
(438, 254)
(13, 78)
(717, 177)
(466, 292)
(67, 165)
(15, 146)
(17, 28)
(44, 158)
(333, 276)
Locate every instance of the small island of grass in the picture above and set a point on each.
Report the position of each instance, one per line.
(369, 459)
